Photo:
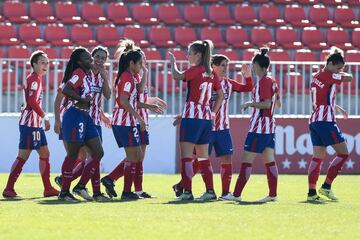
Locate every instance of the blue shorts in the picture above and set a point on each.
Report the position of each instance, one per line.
(144, 136)
(61, 137)
(256, 142)
(197, 131)
(78, 126)
(98, 128)
(31, 138)
(325, 134)
(221, 142)
(126, 136)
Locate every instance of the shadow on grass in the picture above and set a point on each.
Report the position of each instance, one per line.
(19, 199)
(185, 202)
(315, 202)
(57, 202)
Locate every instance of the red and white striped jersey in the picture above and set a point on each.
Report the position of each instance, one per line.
(323, 89)
(126, 85)
(262, 120)
(31, 113)
(221, 120)
(81, 83)
(142, 97)
(65, 103)
(200, 86)
(96, 91)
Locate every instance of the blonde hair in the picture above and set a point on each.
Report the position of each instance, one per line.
(205, 48)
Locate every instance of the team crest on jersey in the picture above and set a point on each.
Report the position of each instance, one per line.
(127, 87)
(34, 86)
(74, 79)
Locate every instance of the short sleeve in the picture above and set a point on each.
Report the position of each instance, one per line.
(331, 78)
(76, 79)
(265, 87)
(217, 83)
(126, 85)
(191, 73)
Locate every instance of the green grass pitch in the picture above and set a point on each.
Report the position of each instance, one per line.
(163, 218)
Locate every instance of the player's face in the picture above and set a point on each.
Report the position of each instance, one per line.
(85, 60)
(100, 58)
(135, 67)
(335, 68)
(221, 69)
(42, 65)
(194, 58)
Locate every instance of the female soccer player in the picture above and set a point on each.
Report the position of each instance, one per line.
(100, 87)
(196, 124)
(32, 135)
(260, 138)
(323, 128)
(221, 137)
(78, 127)
(142, 109)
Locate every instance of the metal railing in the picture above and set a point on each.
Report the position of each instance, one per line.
(293, 79)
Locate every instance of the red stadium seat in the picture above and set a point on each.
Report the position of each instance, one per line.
(169, 14)
(283, 1)
(66, 52)
(2, 54)
(67, 13)
(233, 1)
(339, 38)
(93, 13)
(8, 34)
(144, 14)
(15, 12)
(215, 35)
(320, 16)
(248, 54)
(170, 82)
(195, 14)
(107, 35)
(287, 38)
(295, 15)
(356, 37)
(258, 1)
(345, 17)
(261, 36)
(184, 36)
(220, 14)
(83, 35)
(279, 55)
(118, 13)
(153, 54)
(332, 2)
(160, 37)
(245, 15)
(352, 56)
(30, 34)
(324, 54)
(179, 54)
(137, 34)
(237, 37)
(305, 55)
(19, 52)
(308, 2)
(313, 38)
(270, 15)
(42, 12)
(295, 80)
(9, 76)
(57, 35)
(353, 3)
(50, 52)
(231, 54)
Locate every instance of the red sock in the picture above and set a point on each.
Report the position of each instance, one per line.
(195, 170)
(138, 177)
(118, 171)
(314, 172)
(335, 167)
(226, 174)
(78, 169)
(187, 173)
(272, 177)
(89, 170)
(44, 167)
(66, 173)
(129, 172)
(14, 173)
(78, 160)
(207, 174)
(244, 175)
(95, 178)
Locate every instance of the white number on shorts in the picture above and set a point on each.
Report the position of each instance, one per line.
(36, 136)
(205, 88)
(136, 133)
(81, 127)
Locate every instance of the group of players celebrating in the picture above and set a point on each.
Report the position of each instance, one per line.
(204, 123)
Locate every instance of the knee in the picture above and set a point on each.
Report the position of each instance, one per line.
(100, 153)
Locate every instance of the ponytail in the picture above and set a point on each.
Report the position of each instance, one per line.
(336, 56)
(261, 57)
(205, 48)
(124, 61)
